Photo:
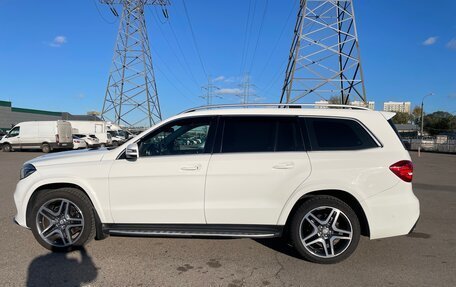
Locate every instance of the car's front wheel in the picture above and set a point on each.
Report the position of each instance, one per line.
(325, 230)
(62, 220)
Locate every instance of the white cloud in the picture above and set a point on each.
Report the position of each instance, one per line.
(430, 41)
(219, 79)
(452, 44)
(58, 41)
(229, 91)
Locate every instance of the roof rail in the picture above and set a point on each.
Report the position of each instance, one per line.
(283, 106)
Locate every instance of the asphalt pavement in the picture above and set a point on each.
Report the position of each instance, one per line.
(426, 257)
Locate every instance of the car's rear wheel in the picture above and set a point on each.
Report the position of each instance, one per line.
(7, 147)
(62, 220)
(325, 230)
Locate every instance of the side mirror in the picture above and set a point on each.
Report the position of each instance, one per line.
(132, 151)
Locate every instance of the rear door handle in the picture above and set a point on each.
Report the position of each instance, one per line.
(190, 167)
(284, 165)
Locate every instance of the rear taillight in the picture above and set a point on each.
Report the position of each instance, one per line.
(403, 169)
(57, 138)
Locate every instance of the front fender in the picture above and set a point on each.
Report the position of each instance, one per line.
(27, 187)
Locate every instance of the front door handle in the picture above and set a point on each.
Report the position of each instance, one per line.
(284, 165)
(190, 167)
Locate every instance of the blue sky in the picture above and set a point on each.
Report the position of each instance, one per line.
(56, 54)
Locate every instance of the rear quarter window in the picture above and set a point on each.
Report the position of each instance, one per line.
(338, 134)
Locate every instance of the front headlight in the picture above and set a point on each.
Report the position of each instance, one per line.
(27, 170)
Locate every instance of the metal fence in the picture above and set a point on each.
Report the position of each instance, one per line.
(434, 144)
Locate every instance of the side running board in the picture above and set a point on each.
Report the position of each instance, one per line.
(193, 230)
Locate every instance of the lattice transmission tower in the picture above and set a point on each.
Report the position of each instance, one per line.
(324, 59)
(131, 97)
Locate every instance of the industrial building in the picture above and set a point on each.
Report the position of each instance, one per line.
(10, 116)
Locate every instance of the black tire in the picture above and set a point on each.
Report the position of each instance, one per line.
(115, 144)
(46, 148)
(7, 147)
(75, 196)
(301, 227)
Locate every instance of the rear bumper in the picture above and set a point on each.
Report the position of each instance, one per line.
(414, 226)
(393, 212)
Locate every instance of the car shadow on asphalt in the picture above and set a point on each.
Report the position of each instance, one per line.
(280, 245)
(62, 269)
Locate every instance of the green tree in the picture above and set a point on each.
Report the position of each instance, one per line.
(416, 114)
(439, 122)
(402, 118)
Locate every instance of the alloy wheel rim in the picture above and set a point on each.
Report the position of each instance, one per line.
(326, 232)
(60, 222)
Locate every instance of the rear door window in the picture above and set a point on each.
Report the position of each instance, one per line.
(261, 134)
(338, 134)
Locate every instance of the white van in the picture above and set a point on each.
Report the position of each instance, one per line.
(97, 128)
(44, 135)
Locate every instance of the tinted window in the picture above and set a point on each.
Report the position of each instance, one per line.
(181, 137)
(338, 134)
(261, 134)
(288, 136)
(249, 135)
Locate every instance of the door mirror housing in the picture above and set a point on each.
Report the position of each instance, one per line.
(132, 152)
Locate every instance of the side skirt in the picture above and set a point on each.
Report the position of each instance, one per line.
(194, 230)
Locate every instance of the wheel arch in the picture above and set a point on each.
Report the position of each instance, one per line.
(341, 195)
(57, 185)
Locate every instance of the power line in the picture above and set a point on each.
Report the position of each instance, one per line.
(259, 34)
(177, 79)
(245, 36)
(101, 15)
(194, 39)
(248, 37)
(173, 50)
(173, 33)
(285, 25)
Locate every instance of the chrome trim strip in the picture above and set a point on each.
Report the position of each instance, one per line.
(183, 234)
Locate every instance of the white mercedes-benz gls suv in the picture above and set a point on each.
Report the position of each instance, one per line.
(320, 177)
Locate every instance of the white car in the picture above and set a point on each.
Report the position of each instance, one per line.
(78, 143)
(91, 140)
(321, 177)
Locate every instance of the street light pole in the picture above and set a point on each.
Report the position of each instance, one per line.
(422, 113)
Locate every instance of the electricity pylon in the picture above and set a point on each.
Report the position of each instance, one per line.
(211, 93)
(131, 97)
(246, 89)
(324, 57)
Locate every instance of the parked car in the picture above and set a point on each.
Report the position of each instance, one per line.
(320, 177)
(44, 135)
(78, 143)
(91, 140)
(99, 129)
